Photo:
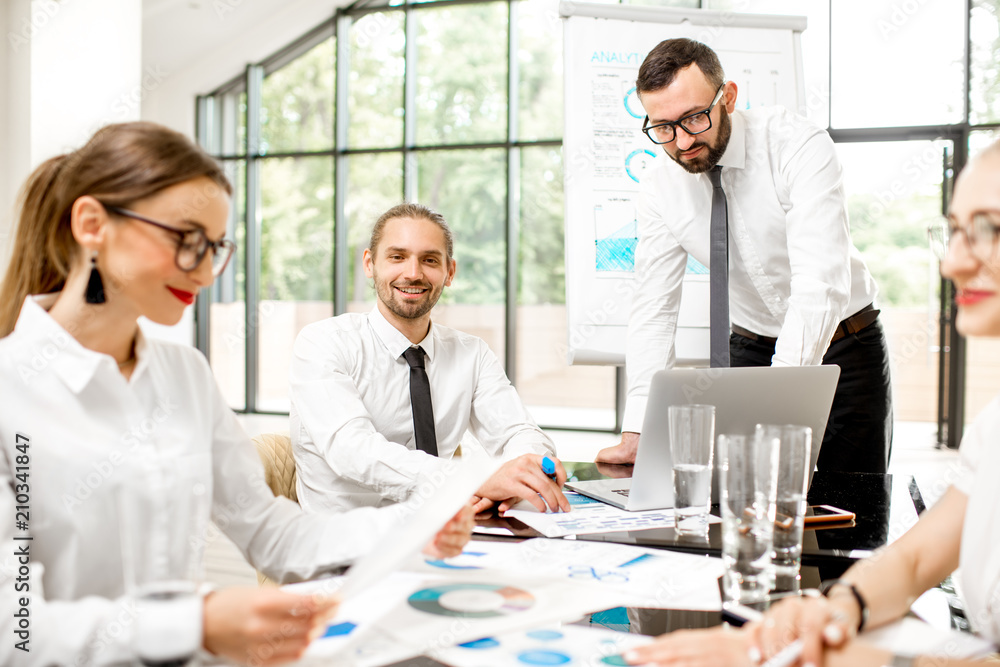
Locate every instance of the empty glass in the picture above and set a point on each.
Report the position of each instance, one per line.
(794, 444)
(748, 471)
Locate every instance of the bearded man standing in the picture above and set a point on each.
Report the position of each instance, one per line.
(381, 401)
(757, 196)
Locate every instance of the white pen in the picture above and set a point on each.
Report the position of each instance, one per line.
(786, 656)
(783, 658)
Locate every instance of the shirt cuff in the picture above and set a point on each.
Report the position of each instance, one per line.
(529, 445)
(635, 412)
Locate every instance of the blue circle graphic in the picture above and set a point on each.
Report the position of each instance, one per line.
(545, 635)
(543, 658)
(631, 156)
(485, 642)
(628, 108)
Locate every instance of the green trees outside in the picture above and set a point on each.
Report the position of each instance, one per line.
(461, 98)
(893, 241)
(296, 194)
(984, 89)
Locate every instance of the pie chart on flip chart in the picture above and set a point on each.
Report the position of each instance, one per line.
(637, 162)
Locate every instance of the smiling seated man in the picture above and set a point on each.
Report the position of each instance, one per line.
(381, 401)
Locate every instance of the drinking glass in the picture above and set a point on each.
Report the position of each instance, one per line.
(794, 444)
(692, 430)
(163, 517)
(748, 471)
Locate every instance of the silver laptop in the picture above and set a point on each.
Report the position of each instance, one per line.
(743, 397)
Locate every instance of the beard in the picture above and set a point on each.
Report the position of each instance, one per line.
(703, 163)
(407, 310)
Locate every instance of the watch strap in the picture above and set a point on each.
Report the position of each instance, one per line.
(827, 586)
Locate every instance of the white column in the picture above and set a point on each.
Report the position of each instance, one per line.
(68, 67)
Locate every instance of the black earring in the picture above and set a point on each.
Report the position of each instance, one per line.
(95, 286)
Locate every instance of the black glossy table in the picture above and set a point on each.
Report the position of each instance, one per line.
(886, 506)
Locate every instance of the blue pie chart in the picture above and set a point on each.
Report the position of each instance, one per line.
(543, 658)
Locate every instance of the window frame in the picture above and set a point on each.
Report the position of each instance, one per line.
(214, 108)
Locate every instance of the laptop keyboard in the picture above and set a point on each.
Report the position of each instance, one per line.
(621, 492)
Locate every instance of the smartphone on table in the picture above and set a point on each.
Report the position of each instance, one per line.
(827, 514)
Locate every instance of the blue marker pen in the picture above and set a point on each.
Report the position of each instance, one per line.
(549, 468)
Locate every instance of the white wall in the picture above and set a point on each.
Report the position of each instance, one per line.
(15, 114)
(85, 71)
(5, 131)
(65, 70)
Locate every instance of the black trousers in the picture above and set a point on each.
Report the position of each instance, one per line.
(858, 434)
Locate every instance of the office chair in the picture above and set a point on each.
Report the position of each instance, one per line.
(275, 451)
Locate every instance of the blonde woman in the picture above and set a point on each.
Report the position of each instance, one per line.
(962, 529)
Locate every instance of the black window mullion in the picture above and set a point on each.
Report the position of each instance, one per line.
(513, 218)
(410, 185)
(205, 131)
(340, 167)
(254, 85)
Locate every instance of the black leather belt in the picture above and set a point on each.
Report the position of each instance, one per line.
(860, 320)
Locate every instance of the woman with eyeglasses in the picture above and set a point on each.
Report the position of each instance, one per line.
(131, 225)
(961, 530)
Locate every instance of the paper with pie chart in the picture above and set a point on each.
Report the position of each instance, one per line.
(555, 645)
(413, 616)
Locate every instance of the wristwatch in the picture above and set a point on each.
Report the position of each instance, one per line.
(902, 660)
(827, 586)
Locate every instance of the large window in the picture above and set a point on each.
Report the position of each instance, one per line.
(459, 105)
(454, 105)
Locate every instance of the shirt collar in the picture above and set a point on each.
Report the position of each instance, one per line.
(75, 364)
(736, 151)
(394, 340)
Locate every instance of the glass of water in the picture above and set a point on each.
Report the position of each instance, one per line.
(794, 444)
(692, 431)
(748, 470)
(163, 516)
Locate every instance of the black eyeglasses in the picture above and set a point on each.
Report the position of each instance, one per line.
(695, 123)
(192, 244)
(982, 234)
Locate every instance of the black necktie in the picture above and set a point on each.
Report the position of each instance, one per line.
(718, 260)
(420, 402)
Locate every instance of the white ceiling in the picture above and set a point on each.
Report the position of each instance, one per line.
(176, 33)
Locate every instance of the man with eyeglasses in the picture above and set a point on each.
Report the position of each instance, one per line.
(757, 196)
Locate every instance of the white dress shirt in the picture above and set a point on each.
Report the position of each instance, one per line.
(351, 423)
(793, 272)
(90, 429)
(979, 561)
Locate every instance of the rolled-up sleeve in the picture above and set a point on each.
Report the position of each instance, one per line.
(659, 268)
(819, 245)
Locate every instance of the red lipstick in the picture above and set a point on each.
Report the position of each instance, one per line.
(186, 297)
(967, 297)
